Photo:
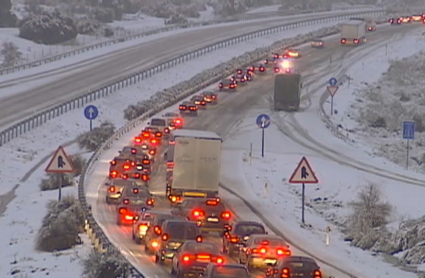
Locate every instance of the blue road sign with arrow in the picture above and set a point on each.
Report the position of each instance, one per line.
(263, 121)
(91, 112)
(333, 81)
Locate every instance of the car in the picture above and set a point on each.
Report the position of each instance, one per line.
(139, 197)
(405, 19)
(149, 150)
(119, 166)
(238, 234)
(394, 21)
(173, 234)
(226, 271)
(141, 226)
(261, 68)
(262, 251)
(193, 257)
(209, 214)
(294, 266)
(317, 43)
(153, 234)
(127, 215)
(199, 101)
(115, 189)
(210, 97)
(227, 85)
(269, 62)
(284, 66)
(160, 124)
(417, 17)
(174, 121)
(128, 151)
(292, 53)
(188, 108)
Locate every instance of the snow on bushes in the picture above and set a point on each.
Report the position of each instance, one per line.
(10, 54)
(91, 140)
(105, 15)
(175, 93)
(79, 163)
(86, 27)
(48, 28)
(61, 226)
(105, 265)
(53, 181)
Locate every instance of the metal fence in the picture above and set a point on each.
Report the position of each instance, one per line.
(79, 102)
(102, 241)
(144, 34)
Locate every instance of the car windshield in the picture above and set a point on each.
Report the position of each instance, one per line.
(195, 247)
(158, 122)
(181, 230)
(230, 271)
(249, 229)
(269, 241)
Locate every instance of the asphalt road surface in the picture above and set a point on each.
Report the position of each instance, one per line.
(222, 117)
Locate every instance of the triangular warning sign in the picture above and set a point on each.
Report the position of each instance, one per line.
(303, 173)
(332, 90)
(60, 163)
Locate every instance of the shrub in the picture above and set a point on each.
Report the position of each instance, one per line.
(420, 125)
(105, 15)
(79, 163)
(369, 211)
(378, 122)
(104, 265)
(61, 225)
(85, 27)
(48, 28)
(10, 54)
(91, 140)
(53, 181)
(108, 32)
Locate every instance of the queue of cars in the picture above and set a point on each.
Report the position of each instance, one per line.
(174, 235)
(407, 19)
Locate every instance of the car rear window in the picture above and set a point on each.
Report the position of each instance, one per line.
(228, 271)
(182, 230)
(304, 266)
(122, 182)
(249, 229)
(270, 242)
(202, 248)
(158, 122)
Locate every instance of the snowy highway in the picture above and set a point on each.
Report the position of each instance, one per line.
(223, 119)
(43, 90)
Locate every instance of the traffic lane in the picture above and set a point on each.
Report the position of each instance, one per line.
(114, 68)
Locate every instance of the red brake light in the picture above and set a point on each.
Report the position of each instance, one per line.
(124, 176)
(198, 213)
(150, 202)
(182, 107)
(135, 190)
(154, 142)
(126, 201)
(126, 167)
(112, 189)
(186, 258)
(199, 239)
(283, 252)
(276, 69)
(113, 174)
(158, 134)
(133, 151)
(263, 250)
(178, 121)
(136, 176)
(166, 130)
(164, 237)
(220, 85)
(146, 134)
(234, 239)
(213, 96)
(113, 162)
(193, 108)
(145, 177)
(157, 230)
(152, 152)
(211, 202)
(285, 273)
(356, 41)
(122, 210)
(343, 41)
(226, 215)
(317, 274)
(146, 162)
(137, 140)
(143, 226)
(220, 260)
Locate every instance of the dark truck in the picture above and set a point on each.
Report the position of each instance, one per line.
(287, 92)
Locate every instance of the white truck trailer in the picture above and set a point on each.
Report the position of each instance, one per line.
(353, 32)
(193, 164)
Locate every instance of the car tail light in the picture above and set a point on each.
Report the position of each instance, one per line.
(198, 213)
(136, 191)
(219, 260)
(212, 202)
(122, 210)
(166, 130)
(220, 85)
(150, 202)
(226, 215)
(112, 189)
(213, 96)
(126, 201)
(146, 134)
(259, 251)
(356, 41)
(155, 244)
(164, 237)
(234, 239)
(146, 162)
(285, 273)
(182, 107)
(145, 177)
(157, 230)
(143, 227)
(137, 140)
(152, 152)
(343, 41)
(203, 102)
(178, 121)
(133, 151)
(170, 164)
(239, 71)
(276, 69)
(158, 134)
(283, 252)
(136, 176)
(124, 176)
(317, 274)
(126, 167)
(288, 70)
(276, 56)
(262, 69)
(193, 108)
(199, 239)
(186, 258)
(113, 162)
(154, 142)
(113, 174)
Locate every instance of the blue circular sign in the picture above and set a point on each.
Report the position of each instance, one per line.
(91, 112)
(263, 121)
(333, 81)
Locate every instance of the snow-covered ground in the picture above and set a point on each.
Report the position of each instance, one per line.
(139, 23)
(265, 9)
(25, 153)
(376, 95)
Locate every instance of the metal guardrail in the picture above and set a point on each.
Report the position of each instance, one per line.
(141, 35)
(102, 241)
(78, 102)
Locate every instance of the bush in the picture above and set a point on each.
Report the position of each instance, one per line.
(105, 15)
(108, 32)
(53, 181)
(61, 225)
(369, 215)
(85, 27)
(104, 265)
(48, 28)
(91, 140)
(10, 54)
(79, 163)
(134, 111)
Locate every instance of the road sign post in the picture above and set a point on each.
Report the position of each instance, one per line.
(303, 174)
(263, 122)
(91, 112)
(60, 164)
(332, 91)
(328, 236)
(408, 134)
